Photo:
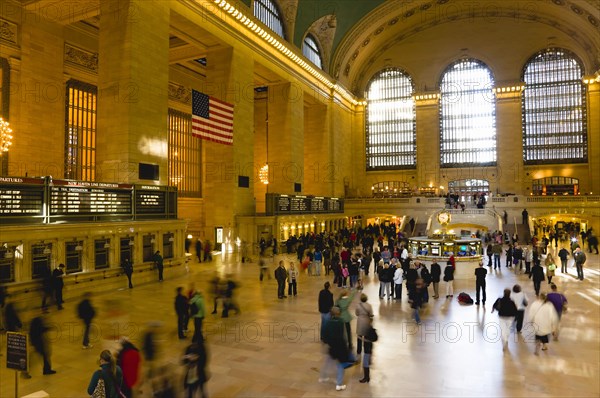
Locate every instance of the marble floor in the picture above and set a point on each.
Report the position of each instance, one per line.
(272, 348)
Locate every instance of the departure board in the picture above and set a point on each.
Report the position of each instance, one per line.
(21, 196)
(150, 199)
(299, 204)
(72, 198)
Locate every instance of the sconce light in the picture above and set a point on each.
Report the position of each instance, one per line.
(190, 236)
(78, 248)
(131, 243)
(47, 250)
(107, 245)
(171, 239)
(152, 240)
(9, 254)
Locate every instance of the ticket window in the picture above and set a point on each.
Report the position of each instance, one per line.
(73, 257)
(101, 253)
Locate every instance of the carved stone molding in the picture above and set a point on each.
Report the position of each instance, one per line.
(8, 31)
(81, 58)
(179, 93)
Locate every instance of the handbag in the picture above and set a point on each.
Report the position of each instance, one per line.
(551, 267)
(100, 390)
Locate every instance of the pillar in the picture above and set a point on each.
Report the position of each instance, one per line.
(132, 90)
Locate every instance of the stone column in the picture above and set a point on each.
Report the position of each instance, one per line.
(319, 169)
(509, 146)
(428, 152)
(132, 89)
(593, 138)
(286, 138)
(230, 78)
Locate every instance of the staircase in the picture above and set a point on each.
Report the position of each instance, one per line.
(522, 230)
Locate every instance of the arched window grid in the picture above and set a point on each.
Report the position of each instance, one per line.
(467, 115)
(554, 109)
(268, 13)
(311, 50)
(390, 121)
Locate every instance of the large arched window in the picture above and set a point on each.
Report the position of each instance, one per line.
(310, 49)
(554, 109)
(467, 115)
(268, 13)
(391, 132)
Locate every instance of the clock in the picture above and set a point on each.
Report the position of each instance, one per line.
(443, 217)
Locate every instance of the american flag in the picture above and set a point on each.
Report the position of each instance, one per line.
(212, 119)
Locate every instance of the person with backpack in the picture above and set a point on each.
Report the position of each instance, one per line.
(368, 339)
(108, 379)
(507, 311)
(364, 314)
(563, 254)
(86, 313)
(197, 311)
(580, 259)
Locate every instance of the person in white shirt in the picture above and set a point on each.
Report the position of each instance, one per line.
(398, 278)
(544, 319)
(518, 296)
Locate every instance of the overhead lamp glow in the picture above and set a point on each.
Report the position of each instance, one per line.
(5, 136)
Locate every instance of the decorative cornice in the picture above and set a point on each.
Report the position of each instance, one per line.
(180, 93)
(8, 32)
(81, 58)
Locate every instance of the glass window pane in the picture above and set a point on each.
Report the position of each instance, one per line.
(467, 115)
(390, 121)
(80, 131)
(268, 13)
(554, 109)
(310, 49)
(185, 155)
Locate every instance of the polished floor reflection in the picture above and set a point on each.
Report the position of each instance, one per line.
(272, 348)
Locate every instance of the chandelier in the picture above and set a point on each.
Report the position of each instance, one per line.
(5, 136)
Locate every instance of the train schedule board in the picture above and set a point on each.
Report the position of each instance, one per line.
(85, 198)
(21, 197)
(150, 200)
(300, 204)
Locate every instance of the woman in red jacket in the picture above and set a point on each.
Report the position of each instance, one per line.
(129, 360)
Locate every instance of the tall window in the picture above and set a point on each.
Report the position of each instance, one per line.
(467, 115)
(391, 129)
(310, 49)
(4, 101)
(469, 190)
(554, 109)
(268, 13)
(80, 131)
(185, 168)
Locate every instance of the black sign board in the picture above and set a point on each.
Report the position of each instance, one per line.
(299, 204)
(16, 351)
(150, 199)
(21, 196)
(72, 198)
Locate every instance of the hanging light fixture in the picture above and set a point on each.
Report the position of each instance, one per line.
(5, 136)
(263, 174)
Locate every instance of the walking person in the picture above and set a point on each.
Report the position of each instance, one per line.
(317, 261)
(560, 305)
(109, 378)
(480, 274)
(325, 304)
(292, 278)
(537, 275)
(580, 259)
(13, 323)
(129, 360)
(528, 256)
(128, 269)
(280, 277)
(182, 311)
(39, 341)
(199, 250)
(417, 300)
(336, 338)
(343, 302)
(195, 360)
(157, 259)
(58, 284)
(364, 314)
(520, 299)
(197, 312)
(545, 319)
(497, 250)
(368, 339)
(86, 313)
(507, 310)
(550, 267)
(385, 281)
(489, 253)
(449, 279)
(563, 254)
(436, 272)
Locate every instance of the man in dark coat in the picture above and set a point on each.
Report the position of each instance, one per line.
(128, 269)
(58, 284)
(181, 309)
(280, 277)
(37, 337)
(158, 263)
(86, 313)
(325, 304)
